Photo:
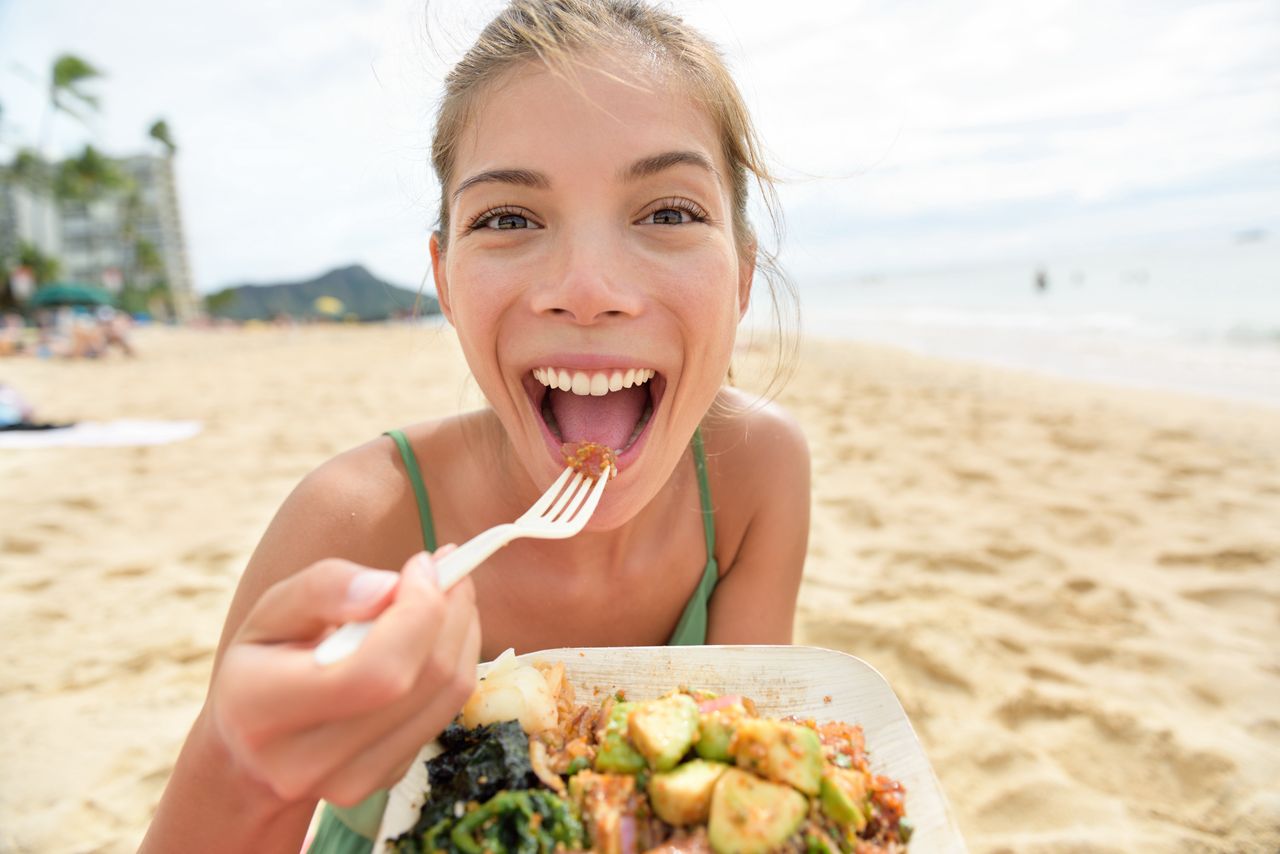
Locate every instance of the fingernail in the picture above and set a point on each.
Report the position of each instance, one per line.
(425, 568)
(370, 585)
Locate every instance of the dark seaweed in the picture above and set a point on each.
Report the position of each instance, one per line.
(524, 822)
(476, 765)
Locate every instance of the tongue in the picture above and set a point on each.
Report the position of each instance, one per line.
(608, 420)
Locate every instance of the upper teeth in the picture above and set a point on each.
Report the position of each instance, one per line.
(594, 382)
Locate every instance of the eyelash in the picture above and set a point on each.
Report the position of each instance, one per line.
(479, 221)
(673, 203)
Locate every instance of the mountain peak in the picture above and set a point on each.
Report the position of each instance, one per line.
(361, 293)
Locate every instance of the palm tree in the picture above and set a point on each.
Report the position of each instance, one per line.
(85, 179)
(43, 267)
(66, 82)
(29, 170)
(160, 132)
(88, 177)
(67, 94)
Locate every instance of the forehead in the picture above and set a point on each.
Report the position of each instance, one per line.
(604, 117)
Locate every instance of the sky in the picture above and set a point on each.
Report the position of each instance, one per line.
(910, 134)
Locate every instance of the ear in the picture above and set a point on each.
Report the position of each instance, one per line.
(746, 275)
(441, 280)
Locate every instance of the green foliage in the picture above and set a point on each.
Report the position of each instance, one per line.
(29, 170)
(160, 132)
(90, 176)
(45, 268)
(156, 300)
(222, 303)
(147, 258)
(70, 73)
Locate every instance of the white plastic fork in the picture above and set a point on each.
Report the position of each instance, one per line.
(561, 512)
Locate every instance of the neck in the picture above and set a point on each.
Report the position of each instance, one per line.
(590, 551)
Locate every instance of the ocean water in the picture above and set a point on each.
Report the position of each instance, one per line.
(1198, 319)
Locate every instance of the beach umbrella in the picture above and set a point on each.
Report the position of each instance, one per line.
(71, 293)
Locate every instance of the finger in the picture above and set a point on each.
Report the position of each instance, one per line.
(370, 707)
(382, 764)
(275, 689)
(323, 595)
(398, 634)
(353, 755)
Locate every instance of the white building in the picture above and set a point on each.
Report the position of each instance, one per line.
(96, 241)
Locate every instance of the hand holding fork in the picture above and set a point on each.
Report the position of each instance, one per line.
(562, 511)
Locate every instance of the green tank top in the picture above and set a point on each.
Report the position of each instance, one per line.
(350, 830)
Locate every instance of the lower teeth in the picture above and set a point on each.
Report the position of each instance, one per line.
(640, 425)
(549, 416)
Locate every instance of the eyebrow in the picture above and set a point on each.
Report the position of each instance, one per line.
(640, 169)
(660, 162)
(521, 177)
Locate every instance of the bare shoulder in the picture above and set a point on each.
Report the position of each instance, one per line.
(755, 443)
(358, 506)
(758, 461)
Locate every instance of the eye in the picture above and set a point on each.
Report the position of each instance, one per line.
(670, 216)
(501, 219)
(506, 221)
(675, 212)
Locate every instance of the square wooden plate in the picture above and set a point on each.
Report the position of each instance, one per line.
(782, 680)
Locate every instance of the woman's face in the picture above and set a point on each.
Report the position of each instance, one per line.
(591, 269)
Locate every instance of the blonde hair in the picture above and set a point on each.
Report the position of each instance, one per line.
(558, 33)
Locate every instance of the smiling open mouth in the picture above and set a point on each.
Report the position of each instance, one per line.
(611, 408)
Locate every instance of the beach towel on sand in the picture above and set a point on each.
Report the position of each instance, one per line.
(102, 434)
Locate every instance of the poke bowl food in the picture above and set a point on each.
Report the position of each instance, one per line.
(542, 759)
(590, 458)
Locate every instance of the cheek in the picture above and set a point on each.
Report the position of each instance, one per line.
(706, 296)
(479, 296)
(479, 299)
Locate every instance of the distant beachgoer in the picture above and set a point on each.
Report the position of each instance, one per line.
(115, 330)
(595, 257)
(17, 414)
(87, 339)
(1042, 280)
(12, 335)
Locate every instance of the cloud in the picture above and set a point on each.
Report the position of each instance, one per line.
(979, 128)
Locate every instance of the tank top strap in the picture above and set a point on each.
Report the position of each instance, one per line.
(692, 628)
(419, 488)
(704, 495)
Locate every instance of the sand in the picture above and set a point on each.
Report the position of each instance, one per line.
(1074, 590)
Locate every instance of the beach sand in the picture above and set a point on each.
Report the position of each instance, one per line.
(1074, 590)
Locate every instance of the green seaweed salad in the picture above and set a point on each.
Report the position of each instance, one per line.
(486, 798)
(687, 772)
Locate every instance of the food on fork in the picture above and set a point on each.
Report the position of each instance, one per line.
(689, 772)
(590, 458)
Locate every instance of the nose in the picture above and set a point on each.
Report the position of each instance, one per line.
(589, 283)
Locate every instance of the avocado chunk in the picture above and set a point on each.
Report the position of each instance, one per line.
(844, 797)
(716, 726)
(753, 816)
(683, 795)
(616, 755)
(779, 751)
(663, 730)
